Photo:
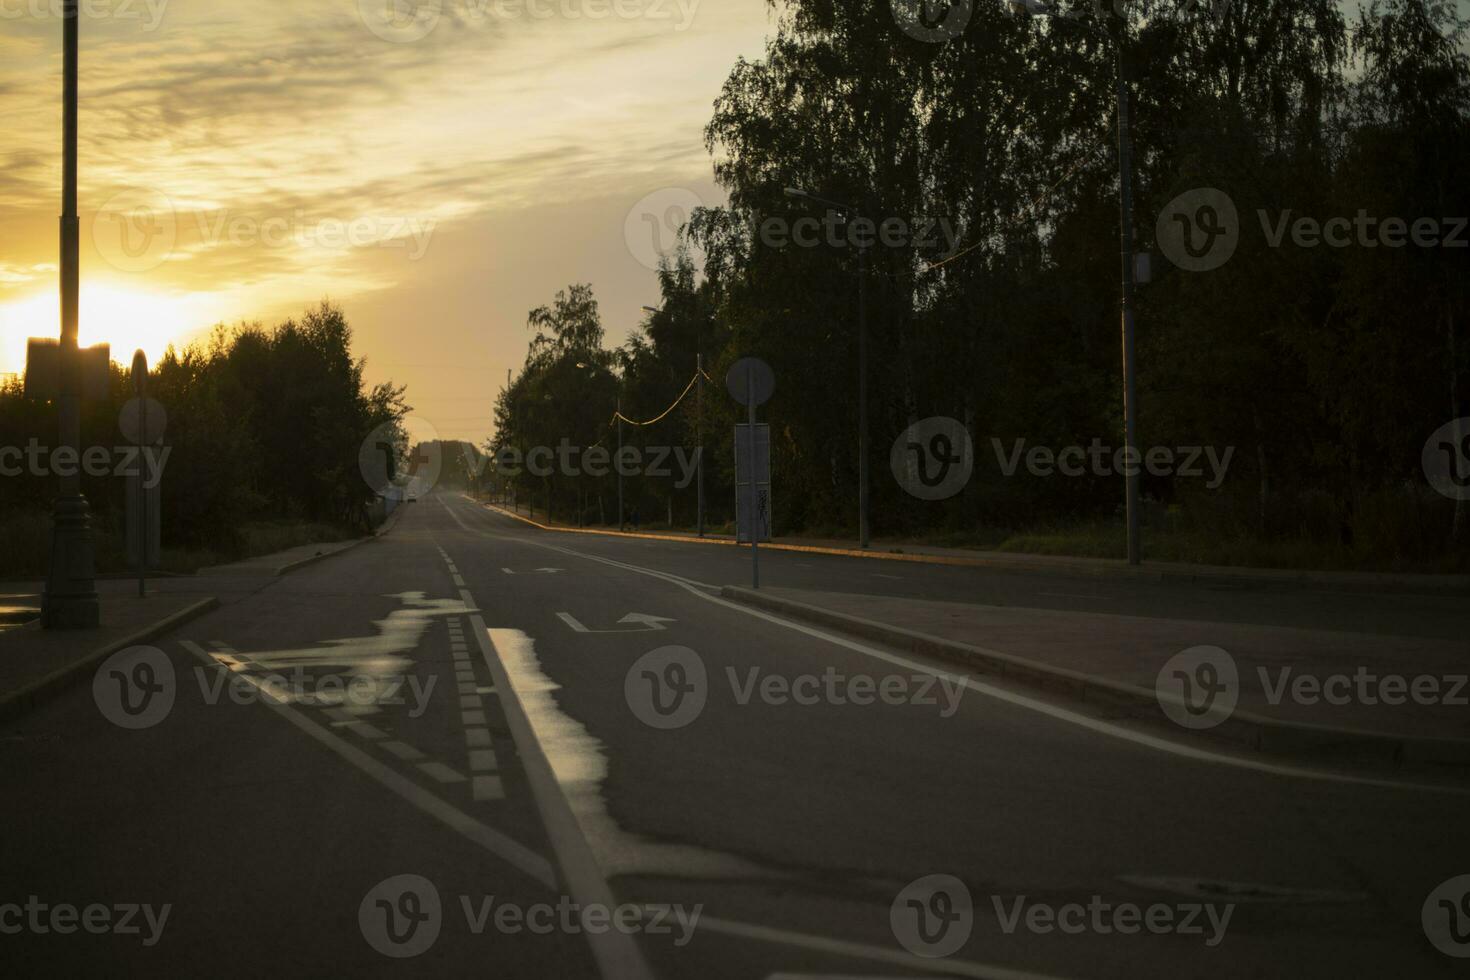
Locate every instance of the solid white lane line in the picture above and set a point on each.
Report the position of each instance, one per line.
(1052, 711)
(617, 954)
(508, 850)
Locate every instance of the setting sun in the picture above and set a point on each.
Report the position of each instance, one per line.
(127, 319)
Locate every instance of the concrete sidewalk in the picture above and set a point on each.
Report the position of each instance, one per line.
(1060, 565)
(1115, 657)
(37, 663)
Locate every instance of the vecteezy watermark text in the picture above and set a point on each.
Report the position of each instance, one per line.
(569, 460)
(150, 12)
(138, 229)
(1101, 917)
(136, 688)
(668, 688)
(1199, 688)
(1182, 461)
(37, 460)
(403, 916)
(1200, 230)
(934, 917)
(62, 918)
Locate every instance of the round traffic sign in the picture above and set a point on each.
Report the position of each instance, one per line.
(131, 419)
(751, 374)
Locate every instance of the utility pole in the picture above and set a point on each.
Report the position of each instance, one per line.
(755, 509)
(863, 529)
(1125, 234)
(1130, 392)
(699, 435)
(70, 600)
(618, 463)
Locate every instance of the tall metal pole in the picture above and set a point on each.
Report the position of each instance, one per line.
(618, 463)
(70, 600)
(862, 397)
(1130, 393)
(755, 486)
(699, 435)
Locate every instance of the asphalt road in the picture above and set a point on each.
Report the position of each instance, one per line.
(545, 725)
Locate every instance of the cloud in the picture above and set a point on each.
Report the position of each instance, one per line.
(233, 118)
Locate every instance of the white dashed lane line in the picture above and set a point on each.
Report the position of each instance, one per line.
(484, 767)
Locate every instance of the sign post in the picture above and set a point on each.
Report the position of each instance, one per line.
(140, 390)
(751, 382)
(143, 422)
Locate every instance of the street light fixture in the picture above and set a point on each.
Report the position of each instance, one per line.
(862, 252)
(1125, 215)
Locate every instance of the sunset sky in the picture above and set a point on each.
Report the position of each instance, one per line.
(437, 172)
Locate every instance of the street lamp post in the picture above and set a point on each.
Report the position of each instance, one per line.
(70, 600)
(862, 253)
(1125, 232)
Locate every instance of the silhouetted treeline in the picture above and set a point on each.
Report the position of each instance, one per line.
(263, 424)
(1325, 366)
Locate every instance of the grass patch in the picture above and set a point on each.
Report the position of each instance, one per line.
(27, 537)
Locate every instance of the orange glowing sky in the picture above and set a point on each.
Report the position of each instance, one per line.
(437, 175)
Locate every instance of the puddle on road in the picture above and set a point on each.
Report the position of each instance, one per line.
(579, 761)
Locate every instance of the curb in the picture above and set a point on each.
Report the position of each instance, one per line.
(300, 563)
(1253, 730)
(37, 692)
(1372, 583)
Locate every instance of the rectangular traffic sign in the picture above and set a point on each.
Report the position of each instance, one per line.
(752, 501)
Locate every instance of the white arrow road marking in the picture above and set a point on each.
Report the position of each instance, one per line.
(650, 624)
(655, 623)
(571, 621)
